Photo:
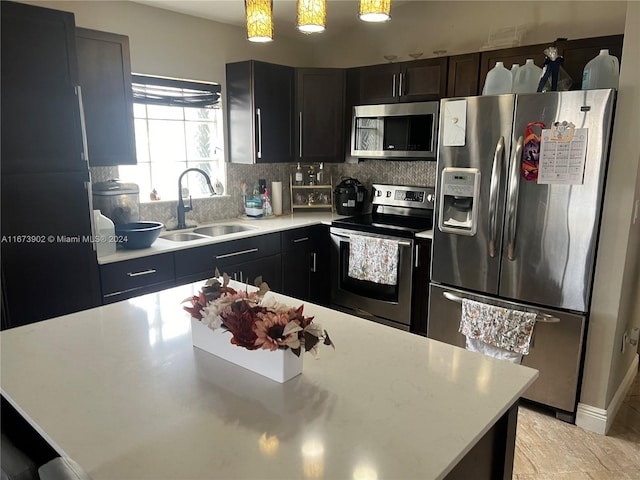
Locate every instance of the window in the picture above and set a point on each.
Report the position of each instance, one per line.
(178, 125)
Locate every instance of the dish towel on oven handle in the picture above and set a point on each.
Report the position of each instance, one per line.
(496, 331)
(373, 259)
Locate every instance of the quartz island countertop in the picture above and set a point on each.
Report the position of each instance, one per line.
(122, 390)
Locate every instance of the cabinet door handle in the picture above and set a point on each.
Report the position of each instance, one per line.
(300, 134)
(87, 186)
(313, 262)
(259, 115)
(234, 254)
(83, 127)
(241, 280)
(393, 86)
(401, 75)
(302, 239)
(417, 263)
(143, 272)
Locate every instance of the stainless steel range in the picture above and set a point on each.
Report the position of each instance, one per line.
(398, 213)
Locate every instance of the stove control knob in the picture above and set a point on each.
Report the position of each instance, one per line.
(431, 198)
(388, 193)
(378, 193)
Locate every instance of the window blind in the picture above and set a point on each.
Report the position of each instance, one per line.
(174, 93)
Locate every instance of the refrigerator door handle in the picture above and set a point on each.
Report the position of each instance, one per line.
(496, 174)
(512, 201)
(541, 317)
(87, 186)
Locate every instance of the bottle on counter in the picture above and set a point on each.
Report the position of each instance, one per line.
(105, 234)
(320, 175)
(299, 177)
(266, 203)
(311, 176)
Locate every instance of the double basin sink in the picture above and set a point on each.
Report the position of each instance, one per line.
(206, 232)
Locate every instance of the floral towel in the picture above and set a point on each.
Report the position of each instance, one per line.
(373, 259)
(500, 327)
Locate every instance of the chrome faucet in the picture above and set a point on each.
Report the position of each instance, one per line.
(182, 209)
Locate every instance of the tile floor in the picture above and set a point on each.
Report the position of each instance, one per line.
(548, 449)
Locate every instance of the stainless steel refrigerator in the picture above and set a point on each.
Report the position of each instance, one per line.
(519, 191)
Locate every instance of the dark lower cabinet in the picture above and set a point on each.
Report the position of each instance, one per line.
(305, 264)
(243, 257)
(421, 277)
(131, 278)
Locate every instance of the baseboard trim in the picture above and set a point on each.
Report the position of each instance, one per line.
(598, 420)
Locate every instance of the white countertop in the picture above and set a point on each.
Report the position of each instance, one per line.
(121, 389)
(259, 227)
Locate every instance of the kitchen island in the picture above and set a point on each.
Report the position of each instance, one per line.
(122, 391)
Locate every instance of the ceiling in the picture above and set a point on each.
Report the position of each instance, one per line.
(341, 14)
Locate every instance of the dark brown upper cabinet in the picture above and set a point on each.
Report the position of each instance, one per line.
(105, 78)
(319, 114)
(41, 127)
(260, 99)
(418, 80)
(577, 53)
(464, 75)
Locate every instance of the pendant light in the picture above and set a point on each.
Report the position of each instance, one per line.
(259, 20)
(375, 10)
(312, 15)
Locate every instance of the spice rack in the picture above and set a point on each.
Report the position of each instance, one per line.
(316, 196)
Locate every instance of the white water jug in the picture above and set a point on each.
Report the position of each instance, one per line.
(498, 81)
(105, 234)
(514, 71)
(527, 78)
(603, 71)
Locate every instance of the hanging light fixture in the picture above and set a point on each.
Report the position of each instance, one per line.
(312, 15)
(375, 10)
(259, 20)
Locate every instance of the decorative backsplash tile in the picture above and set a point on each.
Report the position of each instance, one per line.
(229, 205)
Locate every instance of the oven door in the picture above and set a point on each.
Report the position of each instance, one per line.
(388, 304)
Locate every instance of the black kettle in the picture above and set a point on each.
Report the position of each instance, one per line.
(350, 196)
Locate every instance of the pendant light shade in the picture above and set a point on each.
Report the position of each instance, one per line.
(375, 10)
(259, 20)
(312, 15)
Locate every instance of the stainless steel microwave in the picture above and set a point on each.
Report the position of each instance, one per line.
(397, 130)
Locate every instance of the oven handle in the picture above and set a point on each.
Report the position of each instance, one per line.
(345, 234)
(542, 317)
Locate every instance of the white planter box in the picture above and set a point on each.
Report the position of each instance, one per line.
(281, 365)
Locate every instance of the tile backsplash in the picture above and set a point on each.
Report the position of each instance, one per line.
(229, 205)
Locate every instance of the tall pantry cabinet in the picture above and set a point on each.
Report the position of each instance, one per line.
(49, 265)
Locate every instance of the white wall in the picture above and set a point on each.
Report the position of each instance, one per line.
(175, 45)
(464, 27)
(616, 287)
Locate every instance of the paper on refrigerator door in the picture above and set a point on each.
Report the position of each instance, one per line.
(454, 124)
(562, 160)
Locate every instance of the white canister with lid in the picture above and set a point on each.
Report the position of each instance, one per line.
(105, 234)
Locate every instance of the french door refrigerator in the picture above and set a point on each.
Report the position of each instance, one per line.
(519, 190)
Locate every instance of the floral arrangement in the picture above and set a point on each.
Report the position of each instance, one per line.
(253, 322)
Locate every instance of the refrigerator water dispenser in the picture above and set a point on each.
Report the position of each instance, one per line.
(459, 198)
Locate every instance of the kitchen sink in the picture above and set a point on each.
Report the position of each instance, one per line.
(216, 230)
(183, 237)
